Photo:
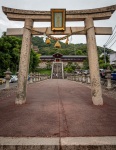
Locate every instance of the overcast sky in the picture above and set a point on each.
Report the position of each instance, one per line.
(69, 5)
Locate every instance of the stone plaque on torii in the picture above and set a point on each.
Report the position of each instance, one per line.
(88, 16)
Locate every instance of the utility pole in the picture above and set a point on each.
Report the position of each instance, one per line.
(104, 53)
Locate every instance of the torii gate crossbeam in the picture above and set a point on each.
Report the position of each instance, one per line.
(88, 16)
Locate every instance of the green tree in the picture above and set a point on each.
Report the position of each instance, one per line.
(9, 53)
(10, 47)
(34, 61)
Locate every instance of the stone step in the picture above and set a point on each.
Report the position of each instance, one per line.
(66, 143)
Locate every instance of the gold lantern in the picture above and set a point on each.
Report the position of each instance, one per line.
(48, 41)
(57, 45)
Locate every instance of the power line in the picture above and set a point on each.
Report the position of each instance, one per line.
(110, 36)
(112, 44)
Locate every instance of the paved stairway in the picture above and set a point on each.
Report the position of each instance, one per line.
(57, 70)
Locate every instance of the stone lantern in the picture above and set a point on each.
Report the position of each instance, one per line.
(7, 77)
(108, 77)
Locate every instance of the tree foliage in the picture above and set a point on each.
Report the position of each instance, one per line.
(9, 53)
(70, 49)
(34, 61)
(10, 47)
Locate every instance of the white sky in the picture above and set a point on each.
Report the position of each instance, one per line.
(69, 5)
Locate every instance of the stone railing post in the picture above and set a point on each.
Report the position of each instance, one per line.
(31, 78)
(108, 77)
(36, 77)
(39, 77)
(76, 77)
(70, 76)
(7, 77)
(24, 62)
(73, 77)
(83, 78)
(67, 77)
(80, 77)
(93, 62)
(88, 79)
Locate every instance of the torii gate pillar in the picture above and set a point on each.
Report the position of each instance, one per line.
(96, 90)
(24, 62)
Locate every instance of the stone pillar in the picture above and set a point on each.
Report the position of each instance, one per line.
(108, 77)
(31, 78)
(73, 77)
(39, 77)
(83, 78)
(80, 77)
(93, 63)
(24, 62)
(88, 79)
(76, 77)
(7, 77)
(36, 77)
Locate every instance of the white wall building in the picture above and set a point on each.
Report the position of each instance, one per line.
(113, 58)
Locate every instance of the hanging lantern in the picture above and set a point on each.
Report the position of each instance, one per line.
(48, 41)
(66, 41)
(57, 45)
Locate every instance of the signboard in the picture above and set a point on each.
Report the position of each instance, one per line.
(58, 17)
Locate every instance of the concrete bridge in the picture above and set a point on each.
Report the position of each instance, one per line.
(58, 109)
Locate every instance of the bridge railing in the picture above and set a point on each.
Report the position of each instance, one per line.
(85, 78)
(37, 77)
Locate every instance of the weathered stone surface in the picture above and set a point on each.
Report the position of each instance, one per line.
(73, 12)
(21, 17)
(72, 15)
(75, 31)
(24, 63)
(96, 90)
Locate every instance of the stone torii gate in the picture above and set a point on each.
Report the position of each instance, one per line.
(88, 16)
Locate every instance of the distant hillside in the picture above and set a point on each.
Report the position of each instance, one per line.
(71, 49)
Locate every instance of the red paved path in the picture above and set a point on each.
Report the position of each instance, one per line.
(57, 108)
